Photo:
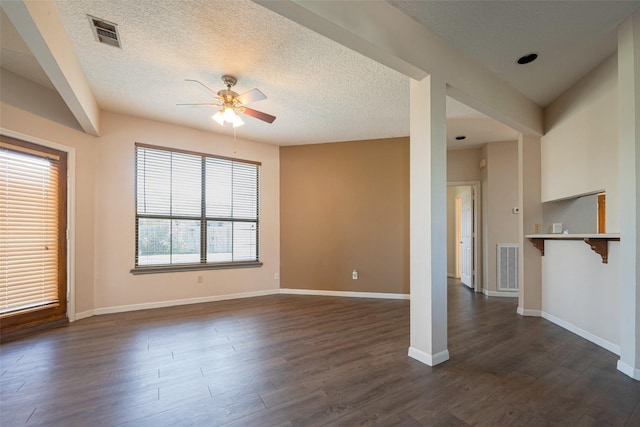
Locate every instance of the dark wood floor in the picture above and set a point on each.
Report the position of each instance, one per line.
(289, 360)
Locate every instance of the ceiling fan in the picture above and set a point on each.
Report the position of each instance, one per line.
(232, 103)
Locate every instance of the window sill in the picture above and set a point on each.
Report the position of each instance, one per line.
(194, 267)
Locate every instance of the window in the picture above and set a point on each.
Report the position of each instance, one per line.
(33, 245)
(195, 211)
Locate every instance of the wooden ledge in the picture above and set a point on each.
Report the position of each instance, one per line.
(538, 243)
(599, 243)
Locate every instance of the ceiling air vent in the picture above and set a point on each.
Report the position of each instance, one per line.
(104, 31)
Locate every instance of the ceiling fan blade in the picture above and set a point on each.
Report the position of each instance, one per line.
(259, 115)
(254, 95)
(202, 86)
(207, 104)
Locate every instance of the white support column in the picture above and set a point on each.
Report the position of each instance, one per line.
(428, 222)
(629, 145)
(529, 259)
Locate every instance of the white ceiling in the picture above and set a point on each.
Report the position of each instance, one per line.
(571, 37)
(319, 90)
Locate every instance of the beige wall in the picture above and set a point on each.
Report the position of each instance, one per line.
(580, 147)
(579, 154)
(345, 206)
(338, 183)
(20, 109)
(463, 165)
(115, 225)
(104, 204)
(499, 197)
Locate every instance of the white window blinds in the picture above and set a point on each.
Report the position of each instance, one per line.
(31, 247)
(193, 208)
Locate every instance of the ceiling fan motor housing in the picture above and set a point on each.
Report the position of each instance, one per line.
(229, 81)
(227, 95)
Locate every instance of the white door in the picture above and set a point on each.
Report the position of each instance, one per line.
(466, 236)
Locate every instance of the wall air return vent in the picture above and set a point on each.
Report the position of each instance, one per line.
(507, 267)
(104, 31)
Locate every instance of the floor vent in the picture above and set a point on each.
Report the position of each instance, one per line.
(507, 267)
(104, 31)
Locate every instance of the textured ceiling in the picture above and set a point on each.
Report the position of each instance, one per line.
(571, 37)
(319, 90)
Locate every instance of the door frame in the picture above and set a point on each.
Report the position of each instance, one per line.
(71, 211)
(477, 264)
(458, 219)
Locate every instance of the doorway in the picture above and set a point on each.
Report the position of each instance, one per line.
(34, 235)
(462, 233)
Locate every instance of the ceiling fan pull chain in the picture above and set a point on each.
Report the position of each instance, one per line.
(234, 141)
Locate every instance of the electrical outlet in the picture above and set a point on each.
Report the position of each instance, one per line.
(276, 276)
(199, 279)
(354, 275)
(537, 228)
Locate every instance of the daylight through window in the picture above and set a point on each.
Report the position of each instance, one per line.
(33, 231)
(195, 210)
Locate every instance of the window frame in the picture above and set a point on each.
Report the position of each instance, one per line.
(202, 219)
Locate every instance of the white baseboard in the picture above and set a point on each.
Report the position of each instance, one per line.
(171, 303)
(159, 304)
(349, 294)
(614, 348)
(628, 370)
(428, 359)
(489, 293)
(528, 312)
(84, 314)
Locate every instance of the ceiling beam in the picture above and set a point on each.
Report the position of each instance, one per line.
(382, 32)
(40, 26)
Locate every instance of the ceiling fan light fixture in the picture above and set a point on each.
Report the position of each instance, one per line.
(237, 121)
(218, 118)
(229, 115)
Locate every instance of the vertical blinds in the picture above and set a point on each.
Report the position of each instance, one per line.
(29, 229)
(194, 208)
